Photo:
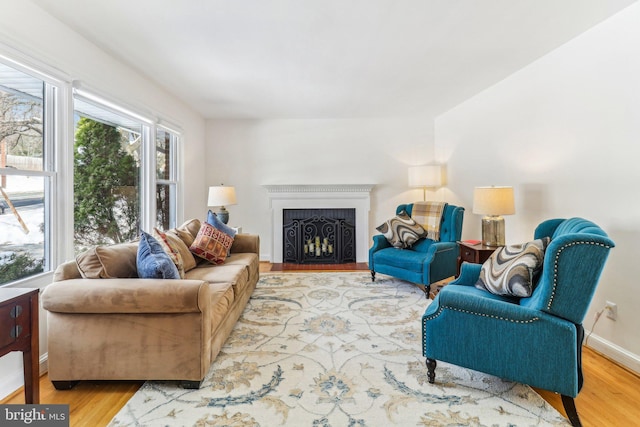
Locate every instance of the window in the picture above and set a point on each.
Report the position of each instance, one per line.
(106, 176)
(124, 180)
(166, 178)
(26, 173)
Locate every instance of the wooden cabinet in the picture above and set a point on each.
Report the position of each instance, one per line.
(19, 332)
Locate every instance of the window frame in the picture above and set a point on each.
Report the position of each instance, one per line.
(173, 181)
(148, 175)
(53, 96)
(58, 160)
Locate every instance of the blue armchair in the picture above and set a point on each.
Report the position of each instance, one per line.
(426, 261)
(535, 340)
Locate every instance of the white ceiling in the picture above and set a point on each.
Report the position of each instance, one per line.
(328, 58)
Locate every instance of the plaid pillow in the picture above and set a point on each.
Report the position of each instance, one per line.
(211, 244)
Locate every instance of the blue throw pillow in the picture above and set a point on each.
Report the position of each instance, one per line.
(152, 261)
(213, 219)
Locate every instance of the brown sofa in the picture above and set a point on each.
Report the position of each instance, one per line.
(127, 328)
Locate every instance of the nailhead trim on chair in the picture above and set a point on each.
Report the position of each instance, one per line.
(555, 266)
(437, 313)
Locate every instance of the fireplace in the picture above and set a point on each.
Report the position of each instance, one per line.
(323, 196)
(319, 236)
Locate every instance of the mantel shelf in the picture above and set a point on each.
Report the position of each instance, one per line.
(319, 188)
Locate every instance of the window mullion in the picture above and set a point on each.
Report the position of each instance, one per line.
(148, 179)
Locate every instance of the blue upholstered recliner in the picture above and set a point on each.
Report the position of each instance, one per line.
(426, 261)
(535, 340)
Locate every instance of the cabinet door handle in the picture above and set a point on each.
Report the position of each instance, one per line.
(16, 311)
(16, 331)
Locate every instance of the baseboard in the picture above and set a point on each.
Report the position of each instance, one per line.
(14, 380)
(614, 352)
(44, 364)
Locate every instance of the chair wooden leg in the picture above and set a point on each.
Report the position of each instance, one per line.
(431, 370)
(570, 408)
(373, 276)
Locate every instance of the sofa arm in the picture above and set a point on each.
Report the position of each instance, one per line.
(246, 243)
(130, 295)
(469, 274)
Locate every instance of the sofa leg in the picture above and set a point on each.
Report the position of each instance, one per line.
(191, 385)
(570, 408)
(373, 276)
(64, 385)
(431, 370)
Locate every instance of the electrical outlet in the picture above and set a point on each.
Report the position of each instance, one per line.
(612, 310)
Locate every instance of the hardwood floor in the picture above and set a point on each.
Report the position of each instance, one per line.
(609, 397)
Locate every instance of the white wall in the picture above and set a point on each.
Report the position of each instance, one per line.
(565, 132)
(28, 33)
(252, 153)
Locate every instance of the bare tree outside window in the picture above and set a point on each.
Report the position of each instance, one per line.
(22, 236)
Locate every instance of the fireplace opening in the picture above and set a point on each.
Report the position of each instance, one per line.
(319, 236)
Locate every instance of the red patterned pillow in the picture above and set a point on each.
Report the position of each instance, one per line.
(211, 244)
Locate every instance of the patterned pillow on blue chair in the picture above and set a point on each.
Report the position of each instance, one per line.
(402, 231)
(511, 270)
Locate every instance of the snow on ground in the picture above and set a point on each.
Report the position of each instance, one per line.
(12, 233)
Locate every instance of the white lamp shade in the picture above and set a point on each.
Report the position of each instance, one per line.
(425, 176)
(221, 196)
(493, 201)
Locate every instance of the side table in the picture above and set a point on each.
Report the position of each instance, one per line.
(476, 254)
(19, 332)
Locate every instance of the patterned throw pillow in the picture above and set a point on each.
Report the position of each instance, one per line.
(511, 270)
(402, 231)
(177, 238)
(152, 261)
(170, 249)
(211, 244)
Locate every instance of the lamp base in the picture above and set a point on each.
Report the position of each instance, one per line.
(223, 214)
(493, 230)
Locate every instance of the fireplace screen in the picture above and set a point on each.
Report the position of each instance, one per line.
(319, 236)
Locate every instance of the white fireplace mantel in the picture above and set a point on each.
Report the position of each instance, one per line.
(321, 196)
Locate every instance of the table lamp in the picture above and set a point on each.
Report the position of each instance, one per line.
(492, 202)
(222, 196)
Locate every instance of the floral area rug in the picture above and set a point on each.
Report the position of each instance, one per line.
(334, 349)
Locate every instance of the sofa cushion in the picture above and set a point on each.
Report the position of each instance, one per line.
(511, 270)
(177, 238)
(237, 275)
(152, 261)
(170, 248)
(401, 231)
(211, 244)
(188, 231)
(403, 259)
(109, 261)
(249, 260)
